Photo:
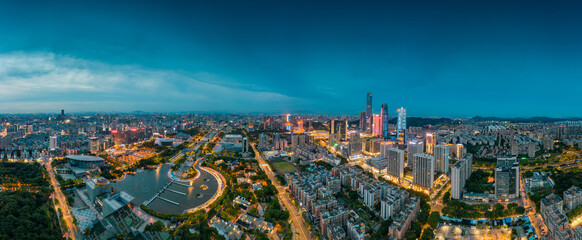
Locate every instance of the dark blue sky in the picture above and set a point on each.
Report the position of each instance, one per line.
(435, 58)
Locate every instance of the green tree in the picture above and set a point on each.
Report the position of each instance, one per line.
(155, 227)
(427, 234)
(447, 197)
(433, 219)
(520, 210)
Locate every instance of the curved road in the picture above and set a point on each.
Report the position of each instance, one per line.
(296, 220)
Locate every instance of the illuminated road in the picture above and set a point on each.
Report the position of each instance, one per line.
(527, 204)
(296, 220)
(437, 204)
(62, 202)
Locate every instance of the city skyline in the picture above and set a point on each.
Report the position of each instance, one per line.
(449, 59)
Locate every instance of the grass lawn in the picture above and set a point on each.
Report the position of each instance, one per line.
(283, 167)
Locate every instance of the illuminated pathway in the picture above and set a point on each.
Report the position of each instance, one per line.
(62, 202)
(296, 220)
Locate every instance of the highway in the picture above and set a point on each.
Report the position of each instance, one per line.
(296, 220)
(62, 202)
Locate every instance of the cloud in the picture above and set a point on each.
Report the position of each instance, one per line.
(44, 82)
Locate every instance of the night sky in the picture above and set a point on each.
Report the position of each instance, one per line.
(435, 58)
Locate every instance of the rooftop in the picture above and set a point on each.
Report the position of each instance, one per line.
(86, 158)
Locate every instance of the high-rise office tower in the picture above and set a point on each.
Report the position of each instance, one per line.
(423, 170)
(384, 147)
(53, 143)
(369, 113)
(441, 157)
(369, 105)
(414, 147)
(384, 114)
(430, 142)
(396, 162)
(62, 112)
(339, 127)
(401, 125)
(94, 144)
(376, 125)
(507, 178)
(460, 172)
(363, 121)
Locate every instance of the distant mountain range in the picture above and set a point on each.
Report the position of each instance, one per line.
(523, 120)
(421, 122)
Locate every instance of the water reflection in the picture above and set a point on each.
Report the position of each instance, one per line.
(144, 185)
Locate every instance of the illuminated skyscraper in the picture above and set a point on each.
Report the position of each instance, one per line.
(94, 144)
(430, 142)
(53, 143)
(376, 125)
(395, 163)
(339, 127)
(441, 157)
(363, 121)
(507, 178)
(414, 147)
(384, 115)
(369, 105)
(423, 170)
(401, 125)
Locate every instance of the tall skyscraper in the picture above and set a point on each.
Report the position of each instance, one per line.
(263, 141)
(384, 114)
(423, 170)
(94, 144)
(401, 125)
(460, 172)
(507, 178)
(430, 142)
(339, 127)
(396, 163)
(376, 125)
(363, 121)
(531, 149)
(384, 147)
(369, 105)
(53, 142)
(441, 157)
(414, 147)
(245, 145)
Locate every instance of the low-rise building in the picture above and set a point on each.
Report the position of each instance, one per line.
(356, 229)
(573, 197)
(225, 228)
(404, 218)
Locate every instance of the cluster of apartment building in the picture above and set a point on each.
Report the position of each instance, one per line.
(551, 209)
(315, 192)
(461, 171)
